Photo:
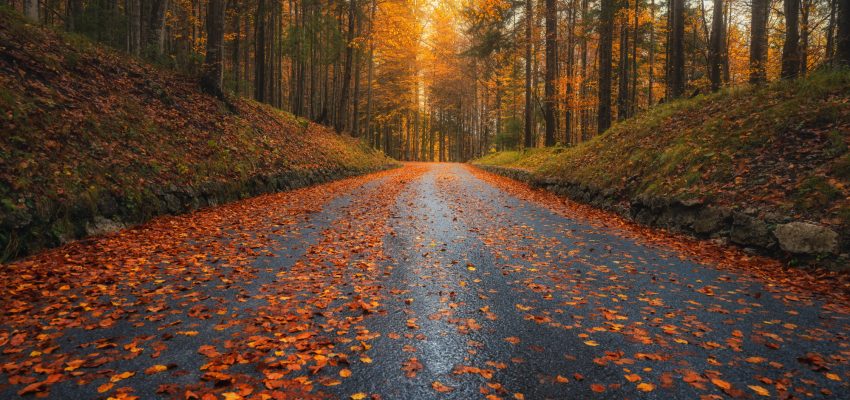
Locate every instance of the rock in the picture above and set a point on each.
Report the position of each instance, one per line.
(107, 205)
(720, 241)
(806, 238)
(750, 231)
(696, 201)
(710, 220)
(102, 225)
(172, 203)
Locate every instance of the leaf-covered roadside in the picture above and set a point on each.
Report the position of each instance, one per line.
(88, 128)
(821, 281)
(189, 290)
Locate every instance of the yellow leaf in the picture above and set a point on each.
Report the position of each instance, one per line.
(121, 376)
(760, 390)
(156, 369)
(345, 373)
(833, 377)
(359, 396)
(591, 343)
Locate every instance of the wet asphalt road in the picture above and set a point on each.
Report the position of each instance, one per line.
(468, 292)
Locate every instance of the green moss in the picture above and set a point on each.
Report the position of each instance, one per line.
(841, 167)
(837, 144)
(815, 192)
(843, 214)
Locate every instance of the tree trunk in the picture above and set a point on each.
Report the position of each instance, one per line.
(715, 46)
(634, 67)
(569, 96)
(528, 107)
(237, 33)
(758, 41)
(791, 47)
(134, 25)
(550, 110)
(75, 12)
(370, 67)
(805, 11)
(355, 104)
(727, 16)
(155, 42)
(842, 41)
(31, 10)
(341, 119)
(623, 72)
(651, 73)
(212, 79)
(676, 81)
(260, 52)
(584, 91)
(606, 33)
(830, 32)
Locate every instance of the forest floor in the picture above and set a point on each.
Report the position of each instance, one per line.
(427, 281)
(88, 131)
(781, 149)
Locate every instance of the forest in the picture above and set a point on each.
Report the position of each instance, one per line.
(451, 80)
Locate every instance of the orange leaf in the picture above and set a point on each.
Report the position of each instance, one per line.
(646, 387)
(156, 369)
(441, 387)
(721, 383)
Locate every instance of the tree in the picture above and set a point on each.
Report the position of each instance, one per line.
(31, 10)
(758, 41)
(75, 11)
(155, 41)
(676, 44)
(212, 78)
(529, 112)
(260, 52)
(346, 76)
(842, 40)
(716, 46)
(551, 71)
(623, 70)
(791, 47)
(134, 24)
(606, 39)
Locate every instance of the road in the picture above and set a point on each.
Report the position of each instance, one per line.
(427, 281)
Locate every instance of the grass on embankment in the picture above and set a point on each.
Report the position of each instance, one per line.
(781, 148)
(81, 122)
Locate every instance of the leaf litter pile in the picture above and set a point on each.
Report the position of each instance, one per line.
(425, 281)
